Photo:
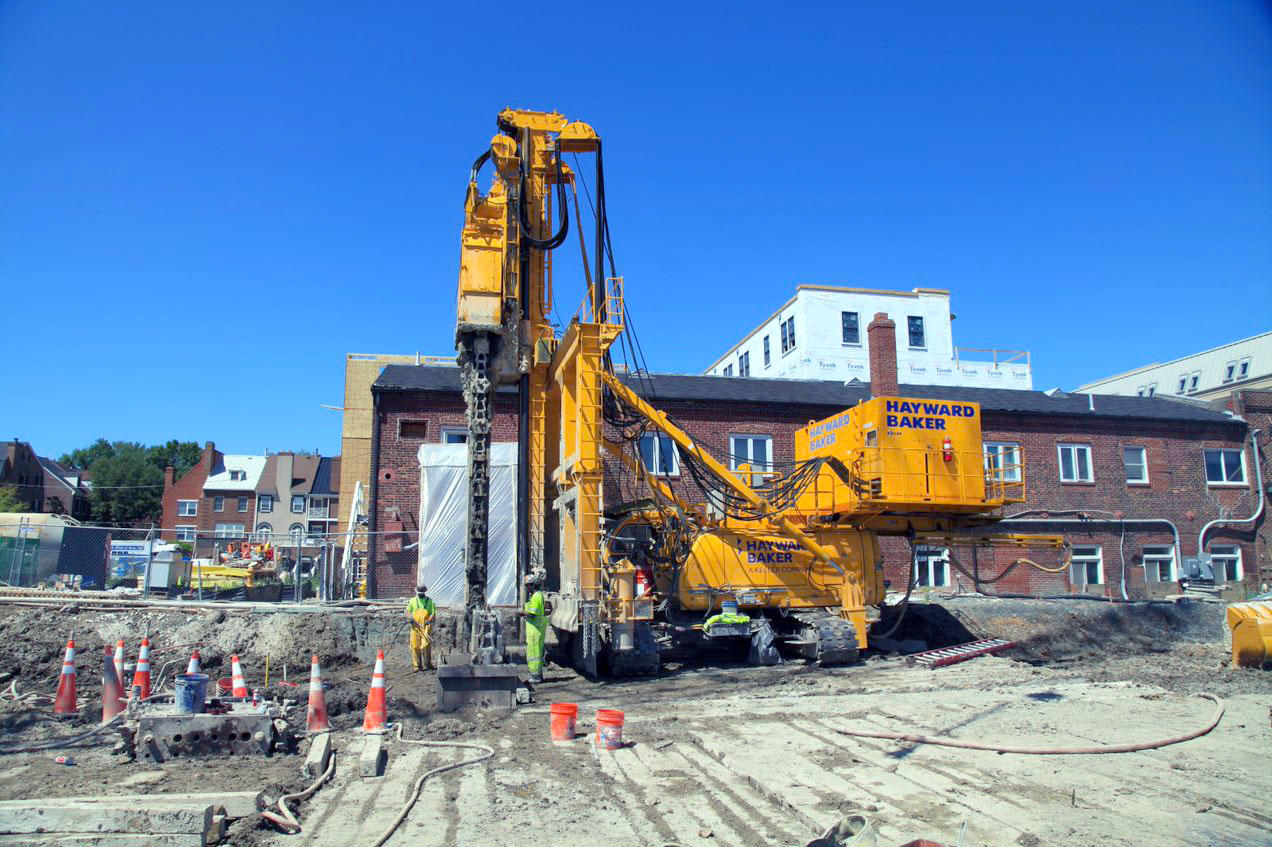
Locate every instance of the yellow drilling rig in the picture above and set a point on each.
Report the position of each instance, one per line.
(772, 559)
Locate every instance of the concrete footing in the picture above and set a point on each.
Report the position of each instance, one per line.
(167, 819)
(374, 757)
(319, 756)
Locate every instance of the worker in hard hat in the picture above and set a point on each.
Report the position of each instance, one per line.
(536, 615)
(421, 610)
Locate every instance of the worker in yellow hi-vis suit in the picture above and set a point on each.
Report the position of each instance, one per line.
(421, 610)
(536, 615)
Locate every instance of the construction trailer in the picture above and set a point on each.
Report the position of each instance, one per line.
(791, 553)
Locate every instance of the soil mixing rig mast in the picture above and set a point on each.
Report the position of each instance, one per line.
(796, 549)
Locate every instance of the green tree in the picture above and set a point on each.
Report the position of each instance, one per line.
(182, 455)
(9, 501)
(127, 486)
(86, 456)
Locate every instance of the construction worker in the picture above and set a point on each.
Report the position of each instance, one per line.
(536, 615)
(421, 610)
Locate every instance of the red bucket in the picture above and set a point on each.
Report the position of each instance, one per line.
(562, 719)
(225, 685)
(609, 729)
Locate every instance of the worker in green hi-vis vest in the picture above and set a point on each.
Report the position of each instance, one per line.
(421, 610)
(536, 615)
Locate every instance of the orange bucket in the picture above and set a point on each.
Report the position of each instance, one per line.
(609, 729)
(562, 717)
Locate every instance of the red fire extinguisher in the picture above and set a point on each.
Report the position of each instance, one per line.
(947, 449)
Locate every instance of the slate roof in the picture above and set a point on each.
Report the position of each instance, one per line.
(834, 394)
(219, 477)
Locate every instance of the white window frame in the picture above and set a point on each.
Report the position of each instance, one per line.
(1226, 553)
(909, 337)
(263, 533)
(265, 504)
(1084, 561)
(218, 504)
(1194, 382)
(1156, 556)
(1060, 448)
(932, 560)
(995, 459)
(242, 505)
(1243, 368)
(188, 508)
(843, 328)
(1143, 464)
(1183, 384)
(295, 534)
(1152, 390)
(1230, 371)
(768, 356)
(735, 458)
(1223, 467)
(229, 531)
(788, 334)
(659, 444)
(728, 371)
(447, 431)
(301, 509)
(187, 532)
(238, 476)
(744, 364)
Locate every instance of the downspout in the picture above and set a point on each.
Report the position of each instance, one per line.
(1258, 512)
(374, 492)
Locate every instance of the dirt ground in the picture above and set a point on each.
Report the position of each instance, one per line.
(723, 753)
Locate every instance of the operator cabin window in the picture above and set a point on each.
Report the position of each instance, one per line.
(658, 455)
(1075, 462)
(1136, 465)
(1159, 564)
(788, 334)
(931, 567)
(265, 504)
(1087, 566)
(454, 435)
(187, 508)
(1225, 467)
(298, 504)
(1226, 562)
(744, 364)
(852, 327)
(918, 338)
(1002, 461)
(767, 358)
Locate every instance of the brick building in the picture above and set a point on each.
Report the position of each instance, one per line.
(1130, 481)
(20, 468)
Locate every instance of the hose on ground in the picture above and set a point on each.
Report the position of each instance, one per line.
(286, 820)
(486, 753)
(1046, 751)
(63, 742)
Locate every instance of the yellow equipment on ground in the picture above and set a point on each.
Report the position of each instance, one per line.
(1251, 625)
(797, 551)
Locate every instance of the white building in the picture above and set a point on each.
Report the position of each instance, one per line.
(1212, 373)
(820, 333)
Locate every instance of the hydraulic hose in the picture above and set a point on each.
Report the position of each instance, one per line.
(1045, 751)
(286, 819)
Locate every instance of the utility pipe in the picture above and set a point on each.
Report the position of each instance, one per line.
(1258, 476)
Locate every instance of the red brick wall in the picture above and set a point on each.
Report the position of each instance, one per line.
(190, 487)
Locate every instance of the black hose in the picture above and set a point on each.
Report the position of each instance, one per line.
(556, 240)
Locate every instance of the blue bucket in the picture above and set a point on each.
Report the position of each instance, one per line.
(191, 693)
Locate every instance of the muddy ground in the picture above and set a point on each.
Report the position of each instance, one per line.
(746, 755)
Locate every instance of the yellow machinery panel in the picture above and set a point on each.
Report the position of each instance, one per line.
(902, 454)
(1251, 625)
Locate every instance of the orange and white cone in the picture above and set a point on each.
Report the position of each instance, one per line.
(141, 679)
(196, 663)
(65, 704)
(112, 694)
(316, 714)
(119, 665)
(377, 711)
(238, 686)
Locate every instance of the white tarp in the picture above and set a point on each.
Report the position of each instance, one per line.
(444, 520)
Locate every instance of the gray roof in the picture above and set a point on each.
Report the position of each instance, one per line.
(835, 395)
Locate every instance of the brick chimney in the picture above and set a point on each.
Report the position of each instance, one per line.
(882, 338)
(208, 457)
(169, 477)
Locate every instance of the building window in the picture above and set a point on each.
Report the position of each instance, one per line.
(1159, 564)
(298, 504)
(1087, 566)
(1225, 467)
(1002, 461)
(1193, 380)
(187, 532)
(1243, 368)
(1226, 562)
(1183, 384)
(242, 504)
(263, 533)
(412, 429)
(229, 530)
(728, 370)
(851, 326)
(931, 567)
(265, 503)
(788, 334)
(454, 435)
(1075, 462)
(1152, 389)
(659, 456)
(295, 533)
(767, 357)
(218, 504)
(918, 338)
(744, 364)
(753, 450)
(1230, 371)
(238, 476)
(1133, 460)
(187, 508)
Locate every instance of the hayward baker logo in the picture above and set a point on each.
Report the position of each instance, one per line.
(906, 414)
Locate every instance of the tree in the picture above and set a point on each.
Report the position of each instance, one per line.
(9, 501)
(181, 455)
(86, 456)
(127, 486)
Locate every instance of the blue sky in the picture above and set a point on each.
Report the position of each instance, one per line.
(203, 207)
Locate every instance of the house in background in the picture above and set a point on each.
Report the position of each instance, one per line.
(21, 468)
(66, 490)
(1212, 374)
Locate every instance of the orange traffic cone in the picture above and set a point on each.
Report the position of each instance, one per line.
(112, 703)
(377, 711)
(238, 686)
(65, 703)
(316, 715)
(196, 664)
(141, 679)
(119, 666)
